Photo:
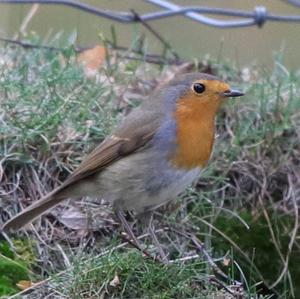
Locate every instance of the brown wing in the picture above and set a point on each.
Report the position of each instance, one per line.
(134, 132)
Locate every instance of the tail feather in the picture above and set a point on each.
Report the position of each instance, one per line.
(33, 211)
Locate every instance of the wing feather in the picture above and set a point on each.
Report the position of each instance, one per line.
(134, 132)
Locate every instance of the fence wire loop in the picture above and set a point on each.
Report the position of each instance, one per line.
(260, 16)
(240, 18)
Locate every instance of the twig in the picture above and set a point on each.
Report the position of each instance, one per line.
(155, 33)
(149, 58)
(32, 287)
(201, 248)
(209, 259)
(292, 239)
(263, 185)
(225, 287)
(185, 258)
(233, 244)
(27, 45)
(145, 252)
(153, 60)
(33, 10)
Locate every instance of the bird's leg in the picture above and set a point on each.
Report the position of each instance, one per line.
(151, 231)
(127, 228)
(148, 219)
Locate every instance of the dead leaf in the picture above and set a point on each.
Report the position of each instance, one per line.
(74, 218)
(92, 59)
(115, 282)
(24, 284)
(226, 261)
(78, 218)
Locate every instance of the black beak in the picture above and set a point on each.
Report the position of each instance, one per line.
(232, 93)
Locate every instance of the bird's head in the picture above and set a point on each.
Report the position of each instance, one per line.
(200, 91)
(192, 103)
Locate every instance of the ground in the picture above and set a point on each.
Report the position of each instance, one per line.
(239, 224)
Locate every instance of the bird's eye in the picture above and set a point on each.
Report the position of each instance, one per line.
(198, 88)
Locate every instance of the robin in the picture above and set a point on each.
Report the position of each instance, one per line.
(152, 156)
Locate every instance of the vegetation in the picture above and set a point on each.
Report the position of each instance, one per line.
(14, 268)
(239, 223)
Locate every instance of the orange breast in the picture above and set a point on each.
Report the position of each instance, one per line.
(195, 133)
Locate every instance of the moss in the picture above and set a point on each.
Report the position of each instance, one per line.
(258, 245)
(6, 286)
(24, 250)
(5, 250)
(10, 273)
(14, 267)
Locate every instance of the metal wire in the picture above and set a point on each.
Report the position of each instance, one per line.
(258, 17)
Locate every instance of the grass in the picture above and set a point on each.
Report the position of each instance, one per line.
(244, 208)
(130, 275)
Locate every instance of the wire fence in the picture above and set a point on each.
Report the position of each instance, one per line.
(233, 18)
(240, 18)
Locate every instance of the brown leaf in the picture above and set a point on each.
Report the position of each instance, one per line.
(24, 284)
(92, 59)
